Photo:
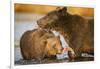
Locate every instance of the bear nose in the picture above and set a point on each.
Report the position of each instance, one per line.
(38, 22)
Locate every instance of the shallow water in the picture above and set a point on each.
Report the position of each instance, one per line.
(20, 61)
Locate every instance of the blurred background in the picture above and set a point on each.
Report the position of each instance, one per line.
(43, 9)
(26, 16)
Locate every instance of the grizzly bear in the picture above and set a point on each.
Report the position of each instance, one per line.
(77, 30)
(38, 44)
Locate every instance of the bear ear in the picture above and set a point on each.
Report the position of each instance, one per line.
(62, 10)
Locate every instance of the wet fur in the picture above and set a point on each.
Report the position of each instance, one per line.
(77, 30)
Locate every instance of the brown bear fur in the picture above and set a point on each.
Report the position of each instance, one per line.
(34, 44)
(77, 30)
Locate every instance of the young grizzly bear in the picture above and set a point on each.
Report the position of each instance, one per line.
(75, 29)
(39, 43)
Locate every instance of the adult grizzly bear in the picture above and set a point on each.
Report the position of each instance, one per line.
(39, 43)
(75, 29)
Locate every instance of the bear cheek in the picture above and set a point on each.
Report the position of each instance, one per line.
(53, 52)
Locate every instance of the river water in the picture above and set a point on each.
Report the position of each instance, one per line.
(19, 60)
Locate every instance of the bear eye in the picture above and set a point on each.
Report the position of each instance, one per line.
(54, 46)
